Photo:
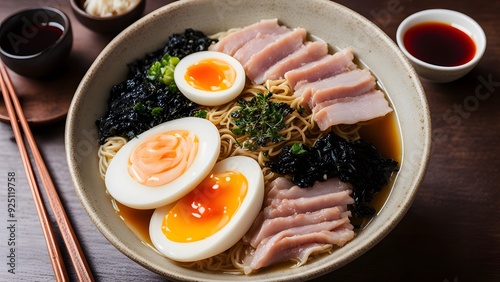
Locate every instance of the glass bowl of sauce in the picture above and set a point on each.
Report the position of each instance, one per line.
(442, 45)
(35, 42)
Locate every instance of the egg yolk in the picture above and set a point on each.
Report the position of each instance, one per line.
(206, 209)
(210, 75)
(163, 157)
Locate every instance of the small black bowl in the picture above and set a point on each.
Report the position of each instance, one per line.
(107, 25)
(36, 41)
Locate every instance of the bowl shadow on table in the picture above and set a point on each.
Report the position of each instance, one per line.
(69, 74)
(46, 100)
(470, 93)
(402, 258)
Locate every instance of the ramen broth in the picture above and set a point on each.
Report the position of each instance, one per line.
(383, 133)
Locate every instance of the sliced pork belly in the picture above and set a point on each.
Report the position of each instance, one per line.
(352, 110)
(281, 190)
(257, 44)
(287, 207)
(267, 243)
(269, 253)
(278, 184)
(299, 253)
(233, 41)
(297, 223)
(346, 84)
(261, 61)
(275, 225)
(309, 52)
(328, 66)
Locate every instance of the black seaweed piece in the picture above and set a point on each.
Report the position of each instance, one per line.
(182, 44)
(124, 118)
(356, 162)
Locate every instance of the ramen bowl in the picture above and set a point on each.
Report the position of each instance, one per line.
(372, 48)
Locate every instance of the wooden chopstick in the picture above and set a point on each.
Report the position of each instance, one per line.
(50, 240)
(77, 256)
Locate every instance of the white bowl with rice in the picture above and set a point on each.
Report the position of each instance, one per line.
(107, 16)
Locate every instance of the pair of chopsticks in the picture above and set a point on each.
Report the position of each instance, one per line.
(16, 116)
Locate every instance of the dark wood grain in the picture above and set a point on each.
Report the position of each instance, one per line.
(451, 232)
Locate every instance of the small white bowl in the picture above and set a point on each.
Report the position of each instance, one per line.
(465, 23)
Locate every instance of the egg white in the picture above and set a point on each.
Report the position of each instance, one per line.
(123, 188)
(231, 233)
(209, 98)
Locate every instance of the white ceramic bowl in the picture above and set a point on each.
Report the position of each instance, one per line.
(465, 23)
(346, 28)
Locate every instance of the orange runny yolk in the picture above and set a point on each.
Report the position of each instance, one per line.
(210, 75)
(206, 209)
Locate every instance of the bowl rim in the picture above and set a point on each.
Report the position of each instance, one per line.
(66, 31)
(371, 239)
(421, 17)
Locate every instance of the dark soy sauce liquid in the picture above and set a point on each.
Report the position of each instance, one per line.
(439, 44)
(31, 40)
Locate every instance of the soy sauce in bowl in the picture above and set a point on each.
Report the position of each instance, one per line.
(439, 44)
(36, 42)
(442, 45)
(40, 38)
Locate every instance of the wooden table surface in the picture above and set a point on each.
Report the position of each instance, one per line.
(451, 232)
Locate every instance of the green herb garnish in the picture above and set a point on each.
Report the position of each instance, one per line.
(139, 107)
(163, 70)
(297, 149)
(200, 113)
(156, 111)
(261, 119)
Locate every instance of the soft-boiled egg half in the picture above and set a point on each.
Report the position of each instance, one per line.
(210, 78)
(163, 164)
(212, 217)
